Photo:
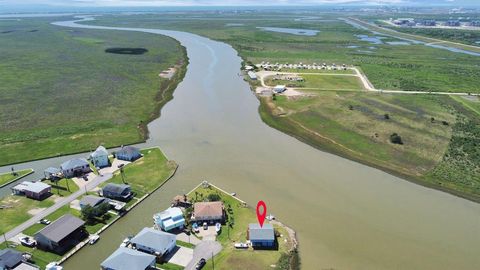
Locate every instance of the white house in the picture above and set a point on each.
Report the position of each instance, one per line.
(100, 157)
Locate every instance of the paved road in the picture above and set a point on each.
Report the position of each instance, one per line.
(204, 250)
(64, 201)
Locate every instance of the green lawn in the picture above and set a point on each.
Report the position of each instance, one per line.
(240, 216)
(66, 74)
(63, 187)
(185, 244)
(147, 173)
(169, 266)
(16, 208)
(321, 82)
(8, 177)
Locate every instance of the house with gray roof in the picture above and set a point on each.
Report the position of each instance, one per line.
(93, 201)
(128, 259)
(154, 241)
(128, 153)
(119, 192)
(261, 236)
(75, 167)
(33, 190)
(62, 234)
(99, 158)
(10, 258)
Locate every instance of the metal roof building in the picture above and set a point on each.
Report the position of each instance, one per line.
(128, 259)
(154, 241)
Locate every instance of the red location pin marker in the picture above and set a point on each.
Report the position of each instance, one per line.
(261, 212)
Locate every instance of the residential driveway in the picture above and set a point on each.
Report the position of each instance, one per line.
(204, 250)
(188, 239)
(180, 256)
(114, 167)
(209, 235)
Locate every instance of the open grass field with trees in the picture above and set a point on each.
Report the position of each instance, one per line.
(63, 91)
(427, 139)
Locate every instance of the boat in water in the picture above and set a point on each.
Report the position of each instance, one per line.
(93, 239)
(126, 241)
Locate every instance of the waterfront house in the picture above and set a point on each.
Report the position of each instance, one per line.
(99, 158)
(154, 242)
(62, 234)
(169, 219)
(128, 153)
(208, 212)
(119, 192)
(52, 173)
(10, 258)
(75, 167)
(128, 259)
(261, 236)
(33, 190)
(93, 201)
(279, 89)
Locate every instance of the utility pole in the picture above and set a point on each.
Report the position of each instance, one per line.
(122, 173)
(213, 262)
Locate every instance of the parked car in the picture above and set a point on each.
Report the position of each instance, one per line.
(85, 178)
(200, 264)
(240, 245)
(205, 226)
(44, 221)
(27, 241)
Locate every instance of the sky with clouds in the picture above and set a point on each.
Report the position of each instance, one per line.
(231, 2)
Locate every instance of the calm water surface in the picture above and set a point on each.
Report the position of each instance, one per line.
(348, 216)
(293, 31)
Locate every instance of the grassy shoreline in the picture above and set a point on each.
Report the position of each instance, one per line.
(7, 178)
(291, 129)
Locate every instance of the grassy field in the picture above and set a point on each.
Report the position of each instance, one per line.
(9, 177)
(321, 82)
(240, 216)
(147, 173)
(63, 187)
(61, 93)
(408, 67)
(355, 123)
(16, 209)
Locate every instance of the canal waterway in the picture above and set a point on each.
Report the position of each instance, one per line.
(347, 215)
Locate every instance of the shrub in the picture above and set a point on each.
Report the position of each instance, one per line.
(213, 197)
(386, 116)
(396, 139)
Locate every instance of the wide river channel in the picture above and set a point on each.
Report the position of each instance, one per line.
(347, 215)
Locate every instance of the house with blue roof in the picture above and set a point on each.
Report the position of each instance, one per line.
(169, 219)
(261, 237)
(154, 242)
(128, 259)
